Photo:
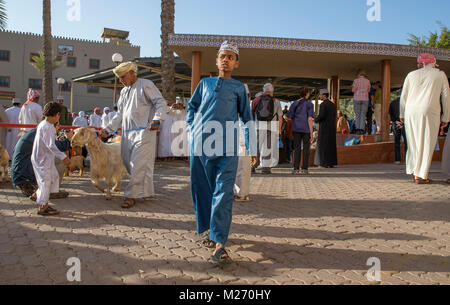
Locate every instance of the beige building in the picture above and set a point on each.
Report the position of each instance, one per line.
(79, 57)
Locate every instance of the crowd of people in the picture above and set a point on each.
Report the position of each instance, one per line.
(220, 178)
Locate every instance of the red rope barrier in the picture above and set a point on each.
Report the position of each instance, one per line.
(6, 125)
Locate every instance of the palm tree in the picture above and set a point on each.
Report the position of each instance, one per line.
(38, 62)
(434, 40)
(3, 17)
(47, 47)
(167, 57)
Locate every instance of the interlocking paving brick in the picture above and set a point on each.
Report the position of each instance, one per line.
(319, 229)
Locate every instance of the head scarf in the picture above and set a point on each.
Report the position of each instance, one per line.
(74, 115)
(229, 46)
(426, 59)
(124, 68)
(81, 114)
(268, 88)
(106, 109)
(97, 110)
(32, 94)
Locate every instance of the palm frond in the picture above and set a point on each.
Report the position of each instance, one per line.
(38, 62)
(3, 16)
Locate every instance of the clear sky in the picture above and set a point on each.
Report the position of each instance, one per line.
(311, 19)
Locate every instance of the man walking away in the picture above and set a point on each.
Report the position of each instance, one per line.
(422, 114)
(361, 89)
(399, 129)
(327, 131)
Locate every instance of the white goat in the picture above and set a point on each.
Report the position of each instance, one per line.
(106, 160)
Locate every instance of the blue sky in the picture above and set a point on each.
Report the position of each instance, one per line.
(311, 19)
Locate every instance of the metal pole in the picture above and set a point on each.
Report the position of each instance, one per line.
(71, 96)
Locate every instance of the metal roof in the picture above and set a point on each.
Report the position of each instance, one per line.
(286, 88)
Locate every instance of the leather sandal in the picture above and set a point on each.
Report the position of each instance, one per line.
(221, 257)
(128, 203)
(423, 181)
(49, 211)
(242, 199)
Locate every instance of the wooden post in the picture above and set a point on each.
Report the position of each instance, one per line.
(386, 83)
(196, 70)
(71, 96)
(335, 90)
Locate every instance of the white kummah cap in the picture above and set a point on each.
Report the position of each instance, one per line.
(16, 100)
(268, 88)
(124, 68)
(229, 46)
(106, 109)
(324, 91)
(59, 98)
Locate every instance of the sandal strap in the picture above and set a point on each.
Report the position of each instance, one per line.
(218, 256)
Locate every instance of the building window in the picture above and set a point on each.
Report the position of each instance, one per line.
(4, 81)
(4, 55)
(65, 50)
(94, 64)
(66, 87)
(71, 62)
(93, 89)
(35, 83)
(33, 55)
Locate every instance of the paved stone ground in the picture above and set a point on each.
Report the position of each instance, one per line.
(320, 229)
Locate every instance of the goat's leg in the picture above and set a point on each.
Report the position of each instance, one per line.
(81, 170)
(117, 186)
(5, 170)
(1, 175)
(94, 181)
(108, 189)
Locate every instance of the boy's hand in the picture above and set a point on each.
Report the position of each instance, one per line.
(254, 160)
(66, 161)
(154, 125)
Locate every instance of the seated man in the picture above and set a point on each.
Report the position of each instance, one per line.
(22, 174)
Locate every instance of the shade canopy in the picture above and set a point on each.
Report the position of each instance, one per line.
(281, 58)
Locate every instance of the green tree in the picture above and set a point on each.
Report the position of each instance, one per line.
(434, 40)
(38, 62)
(3, 17)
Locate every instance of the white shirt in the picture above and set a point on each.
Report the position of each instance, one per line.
(95, 121)
(44, 147)
(13, 114)
(111, 115)
(105, 120)
(30, 115)
(80, 122)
